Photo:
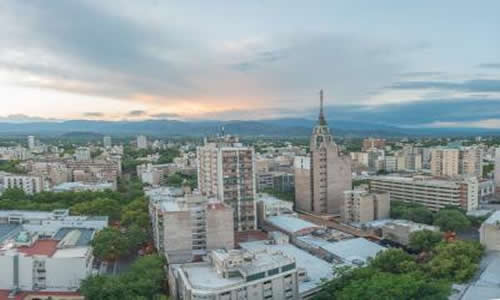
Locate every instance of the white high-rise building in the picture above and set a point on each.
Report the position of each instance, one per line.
(82, 154)
(142, 142)
(107, 142)
(31, 142)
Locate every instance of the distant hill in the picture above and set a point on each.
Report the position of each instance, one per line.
(274, 127)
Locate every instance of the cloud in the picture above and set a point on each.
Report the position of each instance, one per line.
(22, 118)
(164, 116)
(476, 85)
(136, 113)
(421, 74)
(55, 46)
(485, 124)
(93, 114)
(490, 65)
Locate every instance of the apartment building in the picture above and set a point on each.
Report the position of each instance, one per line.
(236, 275)
(323, 176)
(452, 162)
(432, 193)
(489, 233)
(226, 170)
(142, 142)
(82, 154)
(186, 225)
(29, 184)
(360, 206)
(107, 142)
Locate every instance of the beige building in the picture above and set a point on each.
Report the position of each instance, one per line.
(360, 206)
(323, 176)
(452, 162)
(226, 170)
(399, 231)
(372, 143)
(186, 225)
(432, 193)
(489, 232)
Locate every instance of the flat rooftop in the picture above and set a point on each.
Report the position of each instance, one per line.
(347, 250)
(40, 247)
(291, 224)
(316, 268)
(493, 219)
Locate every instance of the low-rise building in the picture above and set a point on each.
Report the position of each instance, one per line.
(82, 186)
(312, 270)
(236, 274)
(361, 206)
(269, 206)
(42, 251)
(399, 231)
(430, 192)
(489, 232)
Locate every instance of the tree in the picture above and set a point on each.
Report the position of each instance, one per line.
(104, 288)
(136, 237)
(136, 212)
(175, 180)
(146, 276)
(420, 215)
(144, 280)
(110, 244)
(394, 261)
(98, 207)
(451, 220)
(14, 194)
(424, 240)
(457, 261)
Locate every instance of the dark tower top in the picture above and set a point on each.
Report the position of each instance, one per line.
(321, 120)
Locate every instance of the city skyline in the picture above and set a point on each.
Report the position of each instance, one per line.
(157, 60)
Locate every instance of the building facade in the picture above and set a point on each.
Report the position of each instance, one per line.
(322, 178)
(236, 275)
(186, 225)
(29, 184)
(226, 170)
(489, 233)
(432, 193)
(361, 206)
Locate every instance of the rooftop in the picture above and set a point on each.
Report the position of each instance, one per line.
(40, 247)
(493, 219)
(9, 230)
(316, 268)
(291, 224)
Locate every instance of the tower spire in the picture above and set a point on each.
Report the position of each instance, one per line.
(321, 120)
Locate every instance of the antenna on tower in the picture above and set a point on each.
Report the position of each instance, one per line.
(321, 114)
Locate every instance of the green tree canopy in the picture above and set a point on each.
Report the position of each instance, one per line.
(424, 240)
(98, 207)
(451, 220)
(457, 261)
(110, 244)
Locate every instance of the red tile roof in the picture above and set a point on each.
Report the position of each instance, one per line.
(40, 247)
(4, 294)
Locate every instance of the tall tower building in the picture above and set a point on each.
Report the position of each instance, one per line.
(226, 170)
(142, 142)
(323, 176)
(31, 142)
(107, 142)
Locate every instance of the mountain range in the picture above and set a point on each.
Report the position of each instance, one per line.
(272, 127)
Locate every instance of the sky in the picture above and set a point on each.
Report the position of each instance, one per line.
(154, 59)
